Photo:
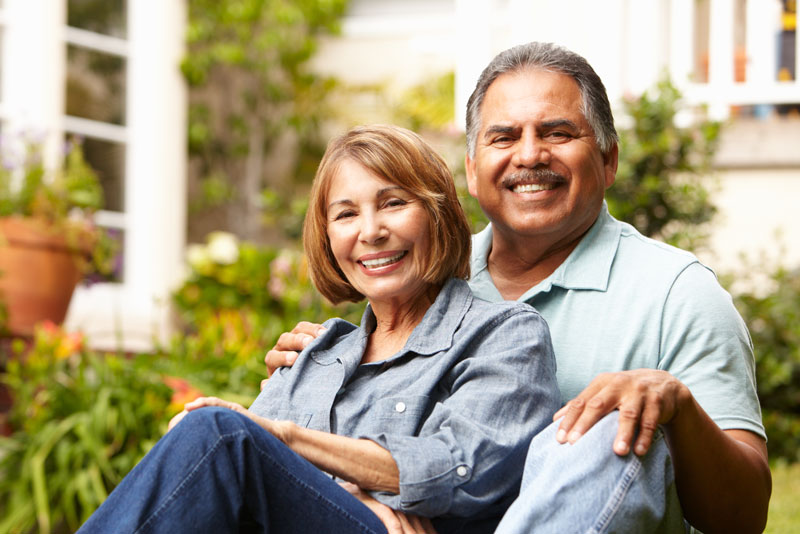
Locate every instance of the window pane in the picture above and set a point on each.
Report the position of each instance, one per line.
(102, 16)
(108, 160)
(95, 85)
(115, 258)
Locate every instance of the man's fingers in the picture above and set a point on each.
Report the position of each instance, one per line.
(291, 341)
(595, 409)
(628, 421)
(311, 329)
(277, 358)
(647, 427)
(572, 411)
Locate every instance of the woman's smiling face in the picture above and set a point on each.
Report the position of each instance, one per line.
(378, 233)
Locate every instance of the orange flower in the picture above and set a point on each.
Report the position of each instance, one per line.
(182, 392)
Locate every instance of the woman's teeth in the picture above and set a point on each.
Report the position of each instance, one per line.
(382, 262)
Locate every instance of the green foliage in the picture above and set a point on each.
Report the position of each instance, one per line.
(269, 288)
(252, 97)
(81, 421)
(774, 323)
(64, 198)
(659, 187)
(429, 105)
(784, 514)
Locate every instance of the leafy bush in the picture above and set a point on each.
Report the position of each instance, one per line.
(774, 323)
(81, 421)
(659, 187)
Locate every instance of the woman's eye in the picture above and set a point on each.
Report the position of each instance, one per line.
(395, 202)
(343, 215)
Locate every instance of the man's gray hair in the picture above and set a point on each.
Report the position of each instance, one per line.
(553, 58)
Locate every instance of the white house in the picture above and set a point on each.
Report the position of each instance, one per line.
(722, 53)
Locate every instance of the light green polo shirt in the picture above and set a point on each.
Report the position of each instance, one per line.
(623, 301)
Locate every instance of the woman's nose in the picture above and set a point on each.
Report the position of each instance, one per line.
(373, 231)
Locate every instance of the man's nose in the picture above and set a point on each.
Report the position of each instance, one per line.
(532, 151)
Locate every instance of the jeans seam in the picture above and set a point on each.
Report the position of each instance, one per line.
(172, 496)
(620, 491)
(286, 473)
(614, 502)
(320, 497)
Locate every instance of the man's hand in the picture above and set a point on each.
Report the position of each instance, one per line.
(394, 521)
(289, 345)
(645, 399)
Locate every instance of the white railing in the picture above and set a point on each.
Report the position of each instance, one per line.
(721, 90)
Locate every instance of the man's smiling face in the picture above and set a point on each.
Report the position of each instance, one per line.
(537, 170)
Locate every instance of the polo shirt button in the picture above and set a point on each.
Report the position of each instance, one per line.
(461, 471)
(400, 407)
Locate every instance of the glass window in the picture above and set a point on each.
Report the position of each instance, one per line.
(95, 85)
(101, 16)
(108, 160)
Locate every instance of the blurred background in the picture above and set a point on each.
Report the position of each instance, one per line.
(202, 122)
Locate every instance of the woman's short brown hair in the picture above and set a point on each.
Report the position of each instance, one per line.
(402, 158)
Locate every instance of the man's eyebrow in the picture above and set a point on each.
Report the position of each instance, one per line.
(498, 129)
(557, 123)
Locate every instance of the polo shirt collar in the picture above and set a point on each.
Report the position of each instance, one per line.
(587, 267)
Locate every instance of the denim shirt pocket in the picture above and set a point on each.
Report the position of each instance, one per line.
(402, 414)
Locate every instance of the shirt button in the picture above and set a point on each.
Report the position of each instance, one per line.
(400, 407)
(461, 471)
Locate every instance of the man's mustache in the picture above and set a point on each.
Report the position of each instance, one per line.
(533, 176)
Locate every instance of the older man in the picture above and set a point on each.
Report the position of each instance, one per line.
(637, 326)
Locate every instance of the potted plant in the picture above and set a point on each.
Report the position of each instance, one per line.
(48, 239)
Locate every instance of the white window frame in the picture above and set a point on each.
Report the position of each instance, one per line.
(132, 314)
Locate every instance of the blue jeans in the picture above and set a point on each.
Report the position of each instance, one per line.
(587, 488)
(218, 471)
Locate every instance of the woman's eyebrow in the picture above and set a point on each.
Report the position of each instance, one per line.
(344, 201)
(381, 192)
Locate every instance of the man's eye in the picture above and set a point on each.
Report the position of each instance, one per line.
(504, 139)
(559, 137)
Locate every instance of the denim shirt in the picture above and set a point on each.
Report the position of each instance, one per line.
(456, 407)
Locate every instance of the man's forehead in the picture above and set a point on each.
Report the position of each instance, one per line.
(547, 96)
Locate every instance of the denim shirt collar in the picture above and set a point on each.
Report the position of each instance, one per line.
(587, 267)
(434, 333)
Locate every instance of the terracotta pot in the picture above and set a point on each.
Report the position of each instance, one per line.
(38, 273)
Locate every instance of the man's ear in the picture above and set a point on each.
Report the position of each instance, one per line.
(472, 178)
(610, 161)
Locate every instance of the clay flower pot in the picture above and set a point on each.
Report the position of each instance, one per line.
(39, 269)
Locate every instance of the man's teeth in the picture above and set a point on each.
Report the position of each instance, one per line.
(374, 264)
(530, 188)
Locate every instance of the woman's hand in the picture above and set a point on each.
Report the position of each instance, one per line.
(394, 521)
(279, 429)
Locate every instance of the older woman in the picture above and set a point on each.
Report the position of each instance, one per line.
(429, 405)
